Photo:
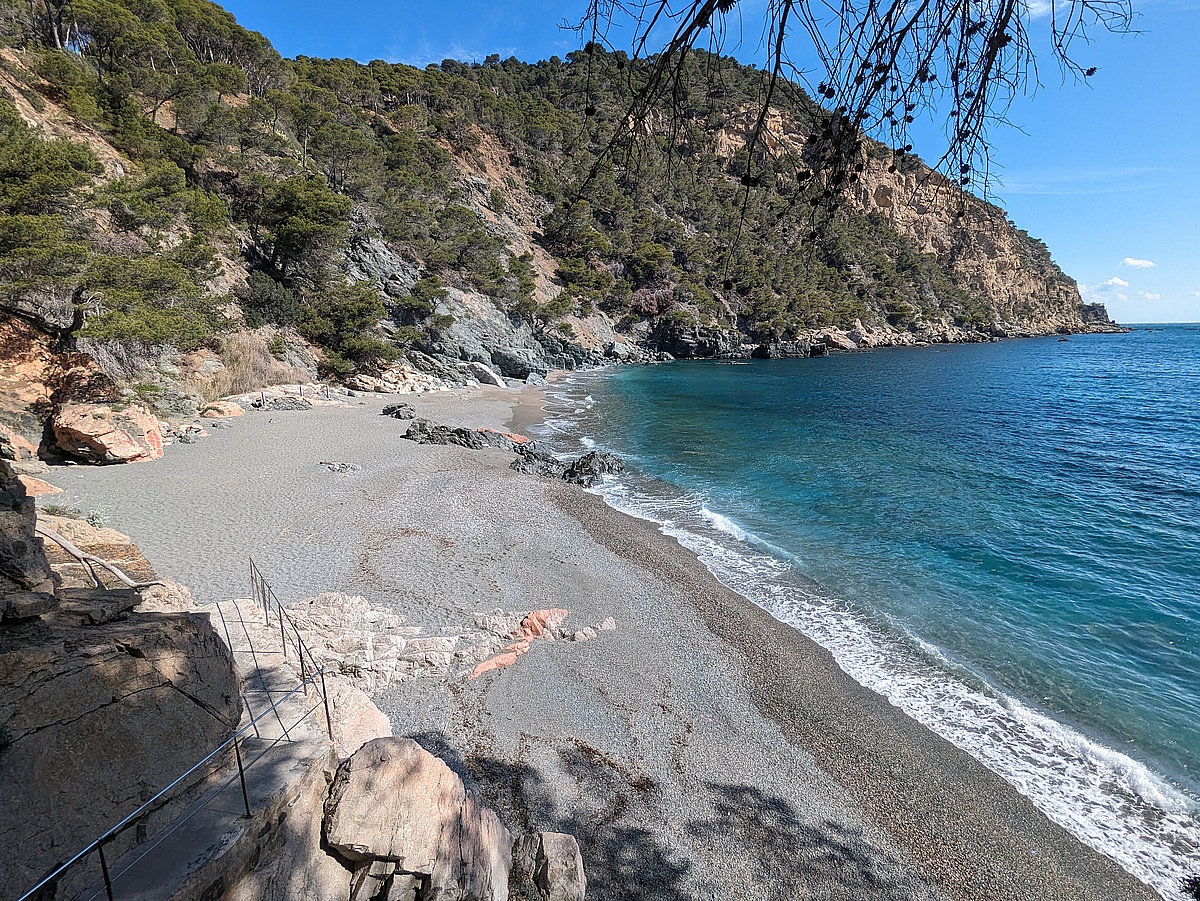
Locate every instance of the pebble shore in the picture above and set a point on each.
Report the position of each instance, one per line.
(699, 750)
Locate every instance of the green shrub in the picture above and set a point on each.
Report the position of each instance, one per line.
(149, 300)
(264, 300)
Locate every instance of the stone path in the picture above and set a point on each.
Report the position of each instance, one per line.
(269, 674)
(278, 747)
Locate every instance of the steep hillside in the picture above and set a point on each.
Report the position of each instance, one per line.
(169, 183)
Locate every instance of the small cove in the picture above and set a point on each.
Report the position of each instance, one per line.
(1002, 539)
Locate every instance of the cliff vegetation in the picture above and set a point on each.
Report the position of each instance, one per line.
(167, 179)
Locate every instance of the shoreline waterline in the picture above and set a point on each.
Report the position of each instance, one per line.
(747, 764)
(1111, 801)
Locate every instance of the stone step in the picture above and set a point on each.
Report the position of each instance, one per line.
(214, 836)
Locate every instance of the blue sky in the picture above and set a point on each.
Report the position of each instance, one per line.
(1106, 172)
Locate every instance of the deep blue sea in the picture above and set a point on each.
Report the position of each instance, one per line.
(1003, 539)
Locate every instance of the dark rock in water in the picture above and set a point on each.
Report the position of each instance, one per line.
(686, 341)
(587, 471)
(400, 411)
(280, 404)
(592, 467)
(532, 459)
(782, 350)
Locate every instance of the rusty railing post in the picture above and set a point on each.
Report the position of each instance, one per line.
(104, 870)
(237, 751)
(325, 700)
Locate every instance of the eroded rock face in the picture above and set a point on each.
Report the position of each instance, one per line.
(393, 802)
(23, 564)
(96, 433)
(97, 718)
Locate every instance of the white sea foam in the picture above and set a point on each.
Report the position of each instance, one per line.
(587, 442)
(1106, 798)
(724, 524)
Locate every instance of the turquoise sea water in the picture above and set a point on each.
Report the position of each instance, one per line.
(1003, 539)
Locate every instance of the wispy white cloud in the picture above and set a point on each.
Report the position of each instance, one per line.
(1149, 295)
(1133, 263)
(1196, 294)
(1080, 182)
(1109, 289)
(1039, 9)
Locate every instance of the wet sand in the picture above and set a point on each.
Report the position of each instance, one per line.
(701, 750)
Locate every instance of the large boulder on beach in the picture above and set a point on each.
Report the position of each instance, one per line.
(97, 433)
(222, 409)
(400, 411)
(394, 803)
(485, 375)
(551, 862)
(423, 431)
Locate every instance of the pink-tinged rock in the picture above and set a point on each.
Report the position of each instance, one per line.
(222, 409)
(500, 661)
(38, 488)
(99, 434)
(394, 801)
(538, 622)
(356, 719)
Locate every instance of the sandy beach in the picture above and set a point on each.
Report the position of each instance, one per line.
(700, 750)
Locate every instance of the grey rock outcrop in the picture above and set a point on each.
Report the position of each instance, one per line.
(783, 350)
(395, 810)
(588, 470)
(424, 431)
(483, 333)
(400, 411)
(687, 340)
(370, 258)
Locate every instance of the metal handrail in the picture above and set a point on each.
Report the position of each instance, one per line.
(318, 675)
(113, 831)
